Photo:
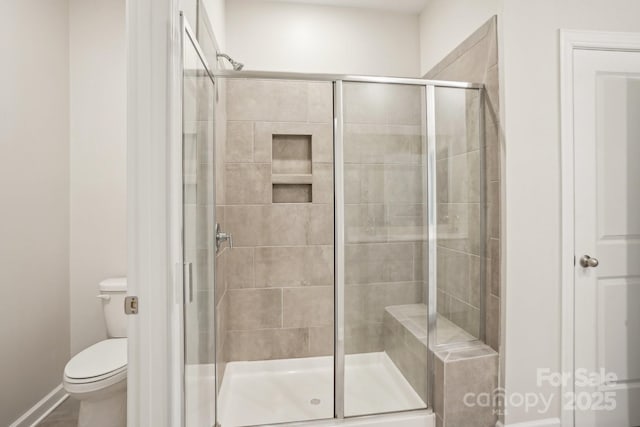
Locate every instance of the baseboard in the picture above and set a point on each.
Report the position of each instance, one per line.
(547, 422)
(40, 410)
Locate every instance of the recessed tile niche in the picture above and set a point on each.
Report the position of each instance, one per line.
(291, 154)
(292, 193)
(291, 169)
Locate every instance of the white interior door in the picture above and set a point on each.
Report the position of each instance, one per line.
(607, 229)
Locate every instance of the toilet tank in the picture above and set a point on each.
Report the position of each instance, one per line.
(112, 293)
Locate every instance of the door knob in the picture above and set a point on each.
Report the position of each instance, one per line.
(586, 261)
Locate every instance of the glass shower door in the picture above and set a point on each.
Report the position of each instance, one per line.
(385, 233)
(198, 213)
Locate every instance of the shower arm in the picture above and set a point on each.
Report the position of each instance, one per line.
(237, 66)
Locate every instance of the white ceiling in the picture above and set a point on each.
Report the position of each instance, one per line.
(407, 6)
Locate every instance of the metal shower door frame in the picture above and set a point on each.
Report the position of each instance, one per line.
(429, 87)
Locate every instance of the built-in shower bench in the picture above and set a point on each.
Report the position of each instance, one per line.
(462, 364)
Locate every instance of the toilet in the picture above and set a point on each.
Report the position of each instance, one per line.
(97, 376)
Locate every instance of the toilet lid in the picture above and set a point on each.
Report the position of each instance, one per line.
(98, 360)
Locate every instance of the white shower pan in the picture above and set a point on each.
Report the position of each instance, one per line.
(295, 390)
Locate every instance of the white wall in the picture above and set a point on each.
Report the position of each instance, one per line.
(216, 9)
(444, 24)
(34, 197)
(275, 36)
(531, 88)
(98, 159)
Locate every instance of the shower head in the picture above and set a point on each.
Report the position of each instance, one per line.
(237, 66)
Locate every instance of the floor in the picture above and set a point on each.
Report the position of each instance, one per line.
(65, 415)
(277, 391)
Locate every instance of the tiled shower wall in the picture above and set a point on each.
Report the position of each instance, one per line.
(279, 274)
(459, 249)
(385, 232)
(476, 60)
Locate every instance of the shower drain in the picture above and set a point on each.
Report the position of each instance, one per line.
(315, 401)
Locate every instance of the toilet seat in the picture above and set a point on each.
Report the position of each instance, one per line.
(97, 367)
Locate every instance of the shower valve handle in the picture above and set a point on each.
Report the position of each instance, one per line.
(222, 236)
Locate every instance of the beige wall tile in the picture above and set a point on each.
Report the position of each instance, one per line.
(365, 223)
(453, 226)
(405, 144)
(320, 102)
(378, 144)
(472, 120)
(363, 338)
(465, 316)
(255, 309)
(321, 341)
(267, 100)
(372, 183)
(220, 275)
(321, 227)
(491, 84)
(492, 325)
(494, 257)
(492, 161)
(294, 266)
(382, 104)
(475, 375)
(471, 65)
(281, 224)
(308, 306)
(239, 269)
(352, 183)
(378, 262)
(492, 126)
(442, 181)
(248, 183)
(322, 190)
(403, 184)
(406, 215)
(464, 182)
(403, 104)
(421, 262)
(267, 344)
(407, 353)
(363, 103)
(239, 146)
(475, 280)
(453, 276)
(493, 210)
(442, 300)
(365, 304)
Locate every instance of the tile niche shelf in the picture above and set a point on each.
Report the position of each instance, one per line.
(291, 175)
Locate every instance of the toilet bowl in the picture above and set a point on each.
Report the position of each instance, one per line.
(97, 376)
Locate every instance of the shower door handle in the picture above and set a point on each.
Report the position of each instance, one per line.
(221, 237)
(188, 282)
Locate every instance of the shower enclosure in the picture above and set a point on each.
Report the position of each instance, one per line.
(333, 241)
